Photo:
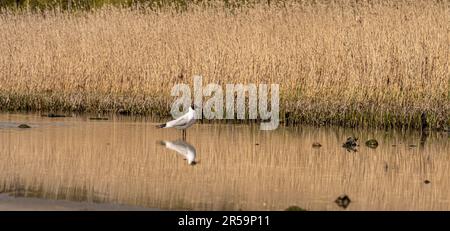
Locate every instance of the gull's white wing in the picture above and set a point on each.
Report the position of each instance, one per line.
(183, 120)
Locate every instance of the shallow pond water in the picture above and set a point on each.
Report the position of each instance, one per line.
(238, 167)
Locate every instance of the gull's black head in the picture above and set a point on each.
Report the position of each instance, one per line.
(193, 163)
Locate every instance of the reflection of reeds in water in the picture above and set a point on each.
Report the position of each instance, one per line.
(16, 188)
(122, 163)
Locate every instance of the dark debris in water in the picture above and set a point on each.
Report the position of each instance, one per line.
(316, 145)
(294, 208)
(24, 126)
(412, 145)
(98, 118)
(351, 144)
(343, 201)
(53, 115)
(427, 182)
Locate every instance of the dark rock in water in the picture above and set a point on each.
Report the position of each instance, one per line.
(23, 126)
(316, 145)
(412, 145)
(351, 144)
(52, 115)
(372, 143)
(427, 182)
(294, 208)
(98, 118)
(256, 144)
(343, 201)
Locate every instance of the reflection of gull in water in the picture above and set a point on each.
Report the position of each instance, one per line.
(185, 149)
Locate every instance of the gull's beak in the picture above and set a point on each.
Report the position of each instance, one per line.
(195, 107)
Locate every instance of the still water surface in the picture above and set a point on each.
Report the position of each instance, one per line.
(121, 161)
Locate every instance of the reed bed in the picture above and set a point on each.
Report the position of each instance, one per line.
(353, 63)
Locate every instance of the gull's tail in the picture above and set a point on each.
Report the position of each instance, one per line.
(161, 126)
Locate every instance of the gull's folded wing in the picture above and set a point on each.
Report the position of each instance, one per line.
(178, 122)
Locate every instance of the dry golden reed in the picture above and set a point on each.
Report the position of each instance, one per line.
(354, 63)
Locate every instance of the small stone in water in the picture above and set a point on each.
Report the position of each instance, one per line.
(24, 126)
(316, 145)
(343, 201)
(372, 143)
(426, 182)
